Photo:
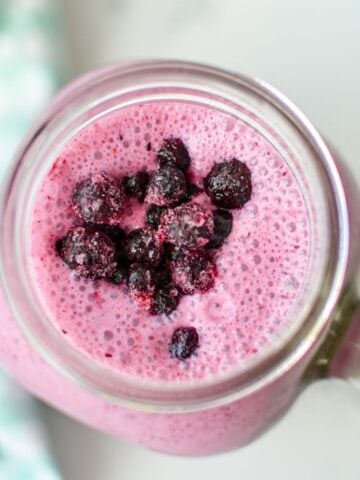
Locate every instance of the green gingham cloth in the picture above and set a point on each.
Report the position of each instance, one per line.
(30, 48)
(23, 452)
(28, 77)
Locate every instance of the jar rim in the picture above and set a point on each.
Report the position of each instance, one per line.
(236, 385)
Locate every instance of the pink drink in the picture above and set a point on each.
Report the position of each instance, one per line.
(261, 267)
(256, 335)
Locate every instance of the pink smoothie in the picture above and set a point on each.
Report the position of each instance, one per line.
(261, 267)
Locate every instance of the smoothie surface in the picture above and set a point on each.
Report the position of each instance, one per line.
(261, 266)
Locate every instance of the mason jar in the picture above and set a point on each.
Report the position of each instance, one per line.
(224, 412)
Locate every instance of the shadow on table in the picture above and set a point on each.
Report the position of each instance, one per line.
(79, 452)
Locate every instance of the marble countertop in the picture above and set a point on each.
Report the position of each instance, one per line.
(311, 52)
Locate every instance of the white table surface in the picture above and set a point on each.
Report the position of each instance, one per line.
(309, 49)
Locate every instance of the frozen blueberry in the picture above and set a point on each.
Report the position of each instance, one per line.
(183, 343)
(166, 186)
(59, 246)
(193, 271)
(162, 274)
(90, 253)
(99, 199)
(165, 300)
(223, 221)
(153, 214)
(173, 253)
(142, 245)
(116, 234)
(173, 152)
(141, 285)
(188, 225)
(228, 184)
(120, 274)
(191, 191)
(166, 297)
(135, 186)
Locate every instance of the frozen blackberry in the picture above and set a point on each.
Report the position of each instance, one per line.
(183, 343)
(223, 221)
(165, 300)
(193, 271)
(135, 186)
(141, 285)
(90, 253)
(166, 186)
(228, 184)
(142, 245)
(99, 199)
(188, 225)
(153, 214)
(173, 152)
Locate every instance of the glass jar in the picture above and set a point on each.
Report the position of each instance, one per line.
(226, 412)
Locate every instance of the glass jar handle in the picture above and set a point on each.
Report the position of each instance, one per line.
(346, 361)
(339, 355)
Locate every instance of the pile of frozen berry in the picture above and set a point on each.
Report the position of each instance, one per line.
(170, 255)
